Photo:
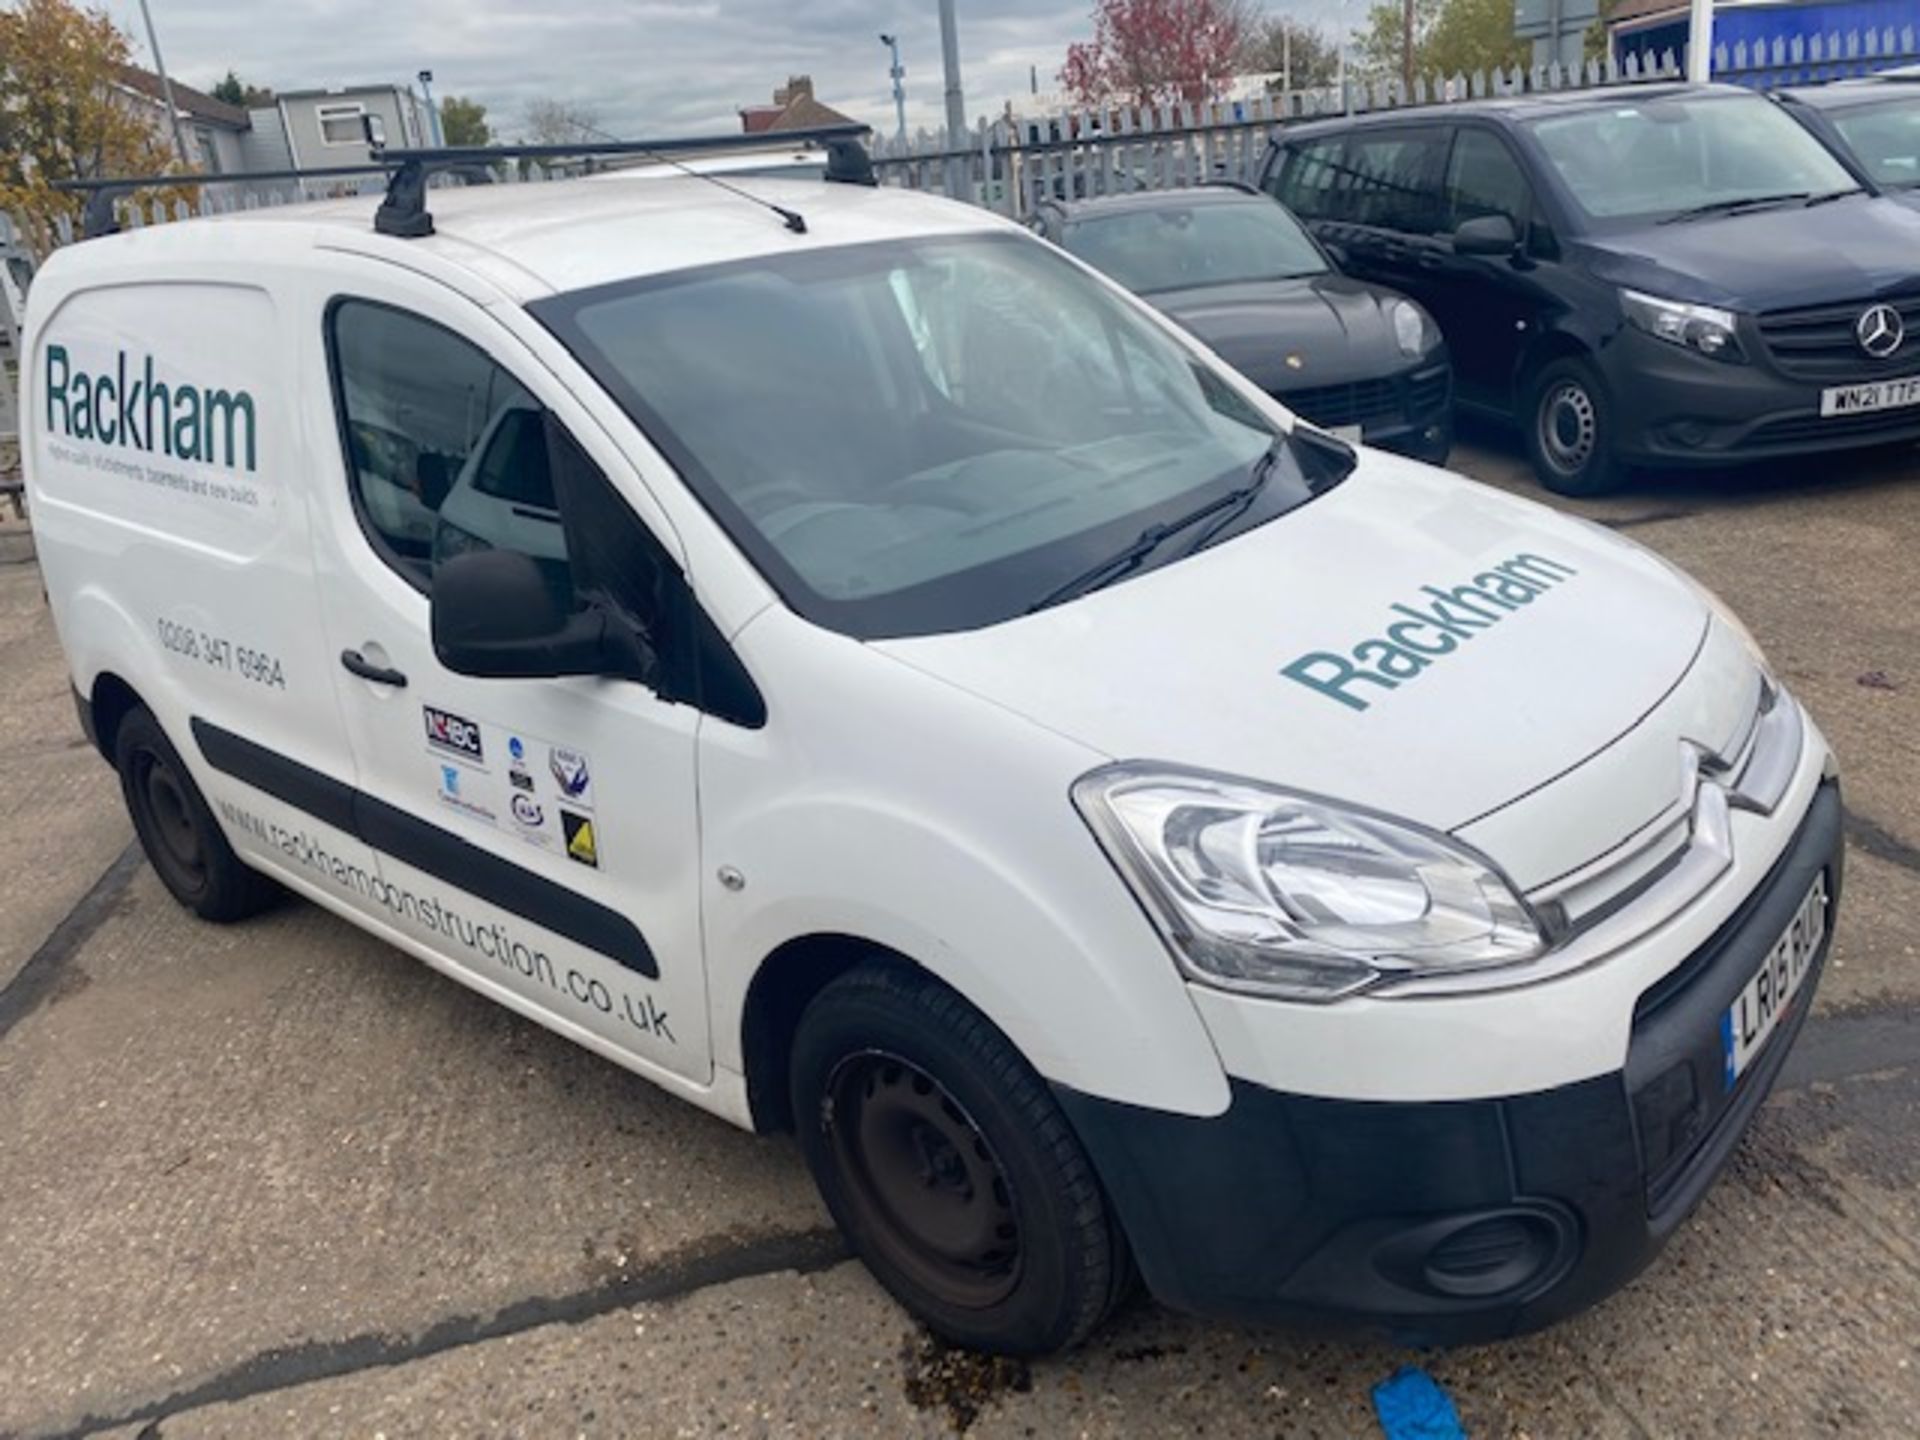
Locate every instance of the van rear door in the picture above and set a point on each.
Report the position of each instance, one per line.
(539, 834)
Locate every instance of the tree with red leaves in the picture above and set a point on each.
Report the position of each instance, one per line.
(1155, 52)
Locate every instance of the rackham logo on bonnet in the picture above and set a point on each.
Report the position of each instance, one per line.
(1429, 629)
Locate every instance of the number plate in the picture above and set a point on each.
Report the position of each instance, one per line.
(1874, 395)
(1770, 995)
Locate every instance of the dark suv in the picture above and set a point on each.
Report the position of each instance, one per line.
(1238, 271)
(1663, 275)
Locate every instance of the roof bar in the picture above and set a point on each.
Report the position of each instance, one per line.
(733, 140)
(98, 218)
(404, 211)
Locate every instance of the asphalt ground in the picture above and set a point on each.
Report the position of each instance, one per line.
(279, 1179)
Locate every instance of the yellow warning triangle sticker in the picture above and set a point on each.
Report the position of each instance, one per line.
(581, 845)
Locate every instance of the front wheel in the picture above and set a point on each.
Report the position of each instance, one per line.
(1570, 432)
(950, 1168)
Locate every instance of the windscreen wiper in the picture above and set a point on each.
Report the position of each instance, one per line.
(1734, 207)
(1126, 561)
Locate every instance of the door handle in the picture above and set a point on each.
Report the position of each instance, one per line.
(359, 665)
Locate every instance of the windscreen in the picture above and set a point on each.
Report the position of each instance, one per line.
(1174, 246)
(1660, 157)
(1885, 138)
(917, 436)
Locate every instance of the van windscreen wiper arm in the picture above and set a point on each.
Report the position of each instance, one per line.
(1734, 207)
(1126, 561)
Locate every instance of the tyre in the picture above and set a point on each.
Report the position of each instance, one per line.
(1569, 431)
(949, 1167)
(177, 830)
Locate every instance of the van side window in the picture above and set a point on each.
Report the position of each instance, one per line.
(1483, 179)
(446, 451)
(1392, 180)
(1307, 176)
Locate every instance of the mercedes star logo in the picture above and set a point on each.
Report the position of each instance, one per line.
(1880, 330)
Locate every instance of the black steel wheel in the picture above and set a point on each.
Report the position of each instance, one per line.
(182, 840)
(1569, 432)
(946, 1161)
(927, 1183)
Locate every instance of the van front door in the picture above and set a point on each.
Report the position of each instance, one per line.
(540, 836)
(1489, 307)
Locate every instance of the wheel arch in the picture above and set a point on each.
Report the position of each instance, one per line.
(112, 699)
(1545, 348)
(779, 993)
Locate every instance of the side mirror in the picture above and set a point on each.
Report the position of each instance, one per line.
(1490, 235)
(494, 616)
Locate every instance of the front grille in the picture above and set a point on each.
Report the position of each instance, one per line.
(1427, 391)
(1351, 404)
(1685, 1116)
(1397, 399)
(1819, 342)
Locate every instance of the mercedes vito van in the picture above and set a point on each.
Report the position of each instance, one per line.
(856, 667)
(1666, 275)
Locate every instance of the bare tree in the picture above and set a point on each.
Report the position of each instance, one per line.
(561, 122)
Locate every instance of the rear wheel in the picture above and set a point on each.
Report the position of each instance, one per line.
(1570, 431)
(182, 840)
(945, 1160)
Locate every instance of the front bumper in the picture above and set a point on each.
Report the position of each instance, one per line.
(1456, 1221)
(1674, 408)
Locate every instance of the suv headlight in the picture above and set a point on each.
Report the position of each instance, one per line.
(1413, 331)
(1702, 328)
(1268, 892)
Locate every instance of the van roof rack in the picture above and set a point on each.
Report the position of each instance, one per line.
(404, 212)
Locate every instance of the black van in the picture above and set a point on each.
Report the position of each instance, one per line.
(1662, 275)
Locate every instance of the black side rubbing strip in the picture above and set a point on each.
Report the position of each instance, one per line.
(328, 800)
(428, 848)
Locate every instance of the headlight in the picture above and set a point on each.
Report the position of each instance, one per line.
(1264, 891)
(1413, 332)
(1695, 327)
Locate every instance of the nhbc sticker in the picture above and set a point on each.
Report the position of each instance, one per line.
(543, 796)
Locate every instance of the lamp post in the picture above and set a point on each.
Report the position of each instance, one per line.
(166, 87)
(956, 102)
(435, 136)
(1700, 41)
(892, 42)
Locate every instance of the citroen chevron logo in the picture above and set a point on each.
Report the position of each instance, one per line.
(1880, 330)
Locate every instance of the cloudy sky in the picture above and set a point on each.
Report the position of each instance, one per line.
(644, 66)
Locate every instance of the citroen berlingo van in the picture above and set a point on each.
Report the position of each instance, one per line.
(829, 652)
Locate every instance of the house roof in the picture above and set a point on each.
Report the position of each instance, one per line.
(197, 103)
(804, 112)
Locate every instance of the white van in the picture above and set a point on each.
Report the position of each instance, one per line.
(931, 704)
